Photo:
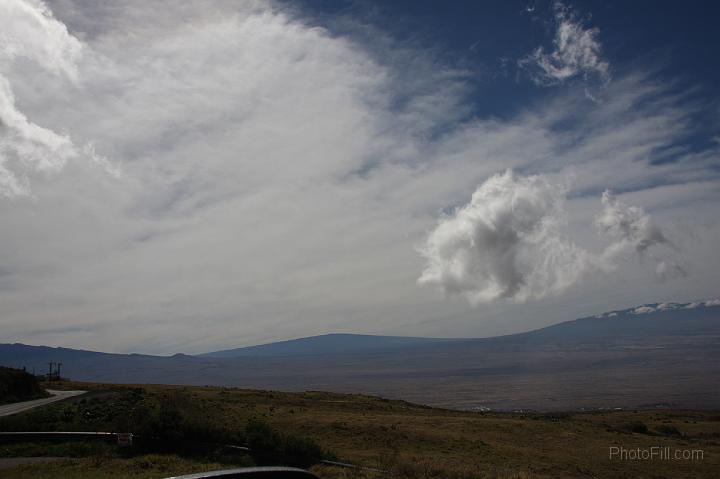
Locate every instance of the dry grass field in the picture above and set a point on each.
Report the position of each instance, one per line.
(403, 439)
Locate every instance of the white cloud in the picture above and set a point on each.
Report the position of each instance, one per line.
(669, 270)
(631, 226)
(511, 241)
(30, 32)
(644, 310)
(628, 224)
(508, 242)
(25, 145)
(576, 52)
(647, 309)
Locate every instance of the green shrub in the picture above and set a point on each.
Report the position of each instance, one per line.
(638, 427)
(669, 430)
(270, 446)
(260, 436)
(17, 385)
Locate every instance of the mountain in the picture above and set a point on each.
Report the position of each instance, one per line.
(648, 320)
(36, 358)
(666, 318)
(656, 354)
(329, 344)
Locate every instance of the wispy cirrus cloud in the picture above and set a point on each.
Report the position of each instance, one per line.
(576, 52)
(31, 33)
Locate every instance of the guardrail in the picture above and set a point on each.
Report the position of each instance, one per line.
(253, 473)
(352, 466)
(61, 435)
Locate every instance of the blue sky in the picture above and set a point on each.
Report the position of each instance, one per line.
(203, 176)
(675, 40)
(669, 42)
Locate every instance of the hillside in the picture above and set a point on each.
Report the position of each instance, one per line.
(653, 355)
(17, 385)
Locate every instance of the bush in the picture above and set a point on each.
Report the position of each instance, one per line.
(669, 430)
(260, 436)
(175, 422)
(638, 427)
(17, 385)
(271, 447)
(300, 451)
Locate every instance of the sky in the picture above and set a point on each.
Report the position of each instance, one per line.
(195, 176)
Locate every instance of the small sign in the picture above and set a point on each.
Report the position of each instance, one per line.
(124, 439)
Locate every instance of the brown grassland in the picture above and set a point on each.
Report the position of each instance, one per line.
(403, 439)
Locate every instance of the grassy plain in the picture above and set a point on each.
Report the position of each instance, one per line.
(404, 439)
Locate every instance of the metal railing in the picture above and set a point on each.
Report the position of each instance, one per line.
(253, 473)
(60, 435)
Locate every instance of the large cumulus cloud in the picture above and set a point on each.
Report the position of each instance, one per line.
(510, 241)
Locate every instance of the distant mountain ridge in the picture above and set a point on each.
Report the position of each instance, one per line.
(339, 343)
(335, 343)
(633, 323)
(655, 353)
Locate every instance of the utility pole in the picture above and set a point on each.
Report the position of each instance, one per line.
(50, 374)
(58, 370)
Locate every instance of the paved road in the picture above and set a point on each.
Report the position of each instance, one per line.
(14, 408)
